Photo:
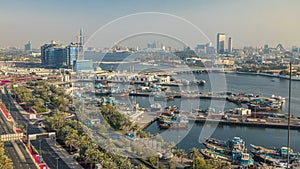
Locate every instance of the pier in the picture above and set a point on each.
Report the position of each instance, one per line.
(180, 95)
(247, 124)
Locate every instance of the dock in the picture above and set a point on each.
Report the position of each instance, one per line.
(181, 95)
(247, 124)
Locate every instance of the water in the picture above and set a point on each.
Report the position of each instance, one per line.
(252, 135)
(258, 136)
(237, 83)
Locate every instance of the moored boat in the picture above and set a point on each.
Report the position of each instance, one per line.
(199, 82)
(235, 148)
(260, 157)
(163, 98)
(210, 154)
(273, 156)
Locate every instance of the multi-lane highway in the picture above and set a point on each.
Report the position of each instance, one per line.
(15, 149)
(49, 155)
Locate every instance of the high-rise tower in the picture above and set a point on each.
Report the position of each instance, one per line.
(81, 40)
(80, 44)
(221, 43)
(28, 46)
(229, 45)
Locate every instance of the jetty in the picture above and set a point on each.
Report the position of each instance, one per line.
(262, 124)
(182, 95)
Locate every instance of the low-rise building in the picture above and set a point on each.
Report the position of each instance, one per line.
(243, 111)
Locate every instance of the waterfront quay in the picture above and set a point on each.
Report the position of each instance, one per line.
(226, 118)
(182, 95)
(261, 111)
(263, 123)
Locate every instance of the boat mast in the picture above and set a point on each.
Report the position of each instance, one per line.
(289, 116)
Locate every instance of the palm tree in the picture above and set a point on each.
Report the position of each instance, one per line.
(124, 163)
(180, 153)
(5, 162)
(215, 164)
(128, 165)
(1, 147)
(201, 163)
(71, 139)
(134, 127)
(170, 146)
(109, 164)
(141, 166)
(63, 132)
(92, 154)
(82, 143)
(194, 153)
(56, 121)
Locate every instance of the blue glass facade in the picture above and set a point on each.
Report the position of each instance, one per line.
(57, 55)
(28, 46)
(83, 65)
(72, 53)
(53, 55)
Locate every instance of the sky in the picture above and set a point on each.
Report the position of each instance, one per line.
(248, 22)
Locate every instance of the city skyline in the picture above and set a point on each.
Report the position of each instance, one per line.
(252, 23)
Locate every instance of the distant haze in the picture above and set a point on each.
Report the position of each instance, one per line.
(249, 23)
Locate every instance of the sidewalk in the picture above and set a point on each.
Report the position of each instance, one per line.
(64, 155)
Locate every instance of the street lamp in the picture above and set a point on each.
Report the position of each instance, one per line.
(41, 156)
(57, 158)
(289, 116)
(26, 131)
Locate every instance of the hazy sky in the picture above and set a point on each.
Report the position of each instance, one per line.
(248, 22)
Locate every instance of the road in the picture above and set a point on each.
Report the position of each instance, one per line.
(50, 156)
(16, 149)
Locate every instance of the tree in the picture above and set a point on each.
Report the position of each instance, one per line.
(200, 163)
(71, 139)
(134, 127)
(92, 154)
(124, 163)
(110, 164)
(5, 162)
(183, 155)
(153, 160)
(194, 153)
(180, 153)
(218, 164)
(63, 132)
(56, 121)
(172, 165)
(161, 166)
(141, 166)
(82, 143)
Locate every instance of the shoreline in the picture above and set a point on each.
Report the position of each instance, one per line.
(266, 75)
(247, 124)
(234, 123)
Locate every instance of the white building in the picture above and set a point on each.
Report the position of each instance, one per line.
(243, 111)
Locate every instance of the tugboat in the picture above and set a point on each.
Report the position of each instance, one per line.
(199, 83)
(210, 154)
(234, 149)
(168, 120)
(273, 156)
(155, 107)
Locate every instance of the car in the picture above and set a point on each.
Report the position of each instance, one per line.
(41, 124)
(130, 136)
